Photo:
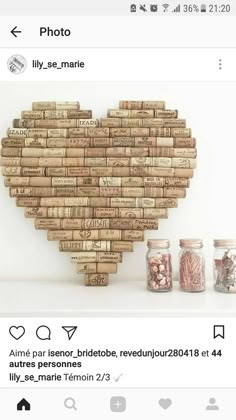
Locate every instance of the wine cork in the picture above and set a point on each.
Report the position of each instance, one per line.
(94, 152)
(11, 152)
(154, 105)
(32, 192)
(104, 213)
(84, 257)
(60, 123)
(184, 142)
(118, 113)
(120, 132)
(132, 122)
(35, 212)
(96, 279)
(87, 268)
(145, 202)
(95, 161)
(65, 201)
(160, 132)
(101, 142)
(131, 213)
(121, 246)
(166, 202)
(99, 201)
(72, 246)
(44, 106)
(28, 202)
(64, 191)
(54, 172)
(35, 142)
(105, 181)
(17, 132)
(45, 162)
(123, 142)
(141, 161)
(153, 192)
(130, 104)
(166, 113)
(32, 115)
(87, 191)
(153, 122)
(103, 234)
(156, 213)
(154, 181)
(109, 234)
(121, 171)
(27, 181)
(6, 142)
(87, 122)
(140, 132)
(22, 123)
(125, 161)
(132, 235)
(47, 224)
(110, 191)
(115, 151)
(73, 161)
(148, 113)
(60, 235)
(33, 171)
(163, 162)
(122, 202)
(38, 132)
(158, 171)
(174, 192)
(106, 268)
(145, 141)
(131, 181)
(110, 122)
(183, 173)
(79, 172)
(138, 171)
(92, 181)
(37, 152)
(184, 163)
(164, 142)
(69, 212)
(11, 171)
(181, 132)
(184, 152)
(106, 256)
(177, 182)
(100, 171)
(132, 192)
(64, 181)
(98, 132)
(174, 123)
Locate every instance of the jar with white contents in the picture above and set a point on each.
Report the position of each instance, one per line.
(191, 266)
(225, 265)
(159, 267)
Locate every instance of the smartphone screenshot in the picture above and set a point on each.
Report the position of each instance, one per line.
(117, 210)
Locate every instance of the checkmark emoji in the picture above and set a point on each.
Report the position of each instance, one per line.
(117, 378)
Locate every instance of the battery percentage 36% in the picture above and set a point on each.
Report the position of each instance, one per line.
(191, 8)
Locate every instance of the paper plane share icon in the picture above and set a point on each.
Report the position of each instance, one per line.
(70, 331)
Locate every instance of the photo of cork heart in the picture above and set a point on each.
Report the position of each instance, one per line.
(95, 184)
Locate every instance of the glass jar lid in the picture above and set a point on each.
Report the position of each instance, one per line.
(191, 243)
(225, 243)
(158, 243)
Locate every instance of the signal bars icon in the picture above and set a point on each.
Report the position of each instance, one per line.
(177, 9)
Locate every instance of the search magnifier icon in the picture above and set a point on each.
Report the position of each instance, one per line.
(70, 403)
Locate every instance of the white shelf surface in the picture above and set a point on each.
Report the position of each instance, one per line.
(120, 298)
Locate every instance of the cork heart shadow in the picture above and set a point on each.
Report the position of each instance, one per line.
(96, 185)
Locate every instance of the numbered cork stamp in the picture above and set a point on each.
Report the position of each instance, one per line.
(95, 184)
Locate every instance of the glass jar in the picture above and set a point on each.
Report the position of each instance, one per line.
(191, 266)
(159, 268)
(225, 265)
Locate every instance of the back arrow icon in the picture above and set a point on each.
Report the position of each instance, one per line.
(14, 32)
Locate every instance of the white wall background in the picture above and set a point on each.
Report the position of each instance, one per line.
(208, 211)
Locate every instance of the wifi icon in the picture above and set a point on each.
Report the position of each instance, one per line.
(165, 7)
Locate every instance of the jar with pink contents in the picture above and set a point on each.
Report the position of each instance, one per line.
(192, 266)
(159, 268)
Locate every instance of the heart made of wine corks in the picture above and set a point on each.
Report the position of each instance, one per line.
(96, 185)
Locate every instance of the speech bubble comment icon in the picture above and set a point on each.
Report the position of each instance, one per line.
(43, 333)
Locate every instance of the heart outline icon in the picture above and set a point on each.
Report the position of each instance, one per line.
(165, 403)
(20, 330)
(96, 185)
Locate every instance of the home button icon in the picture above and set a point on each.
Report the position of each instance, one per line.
(23, 405)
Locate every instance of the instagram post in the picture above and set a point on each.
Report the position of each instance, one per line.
(117, 208)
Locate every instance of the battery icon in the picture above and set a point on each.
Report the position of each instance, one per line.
(203, 8)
